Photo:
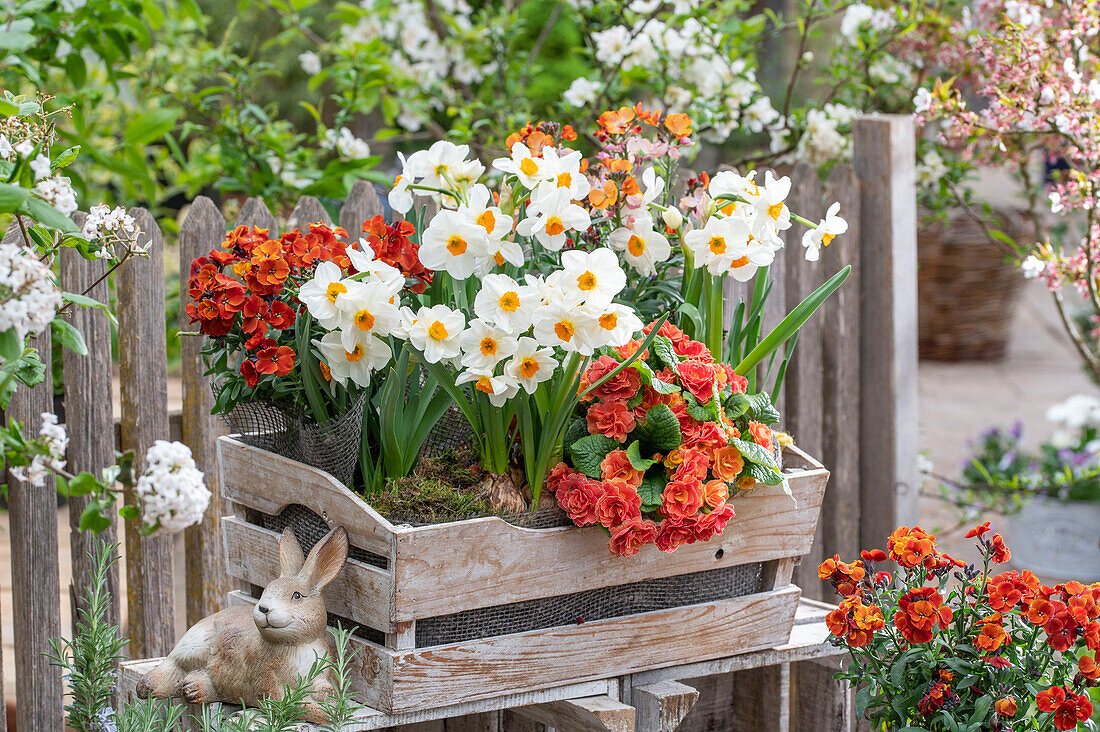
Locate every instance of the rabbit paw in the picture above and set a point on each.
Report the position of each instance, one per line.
(197, 690)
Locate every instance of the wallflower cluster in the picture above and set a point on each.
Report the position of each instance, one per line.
(1007, 631)
(244, 295)
(29, 296)
(170, 491)
(658, 449)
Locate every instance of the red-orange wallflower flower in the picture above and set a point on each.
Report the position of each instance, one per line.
(992, 634)
(912, 547)
(919, 612)
(1086, 665)
(999, 553)
(855, 622)
(1068, 708)
(978, 531)
(1005, 707)
(845, 578)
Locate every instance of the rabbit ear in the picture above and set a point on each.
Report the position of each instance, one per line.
(290, 554)
(326, 560)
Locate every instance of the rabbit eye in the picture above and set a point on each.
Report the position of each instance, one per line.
(296, 596)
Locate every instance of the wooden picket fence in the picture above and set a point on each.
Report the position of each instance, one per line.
(850, 399)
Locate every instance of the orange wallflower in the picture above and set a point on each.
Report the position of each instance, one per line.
(1068, 708)
(1005, 707)
(1088, 668)
(912, 547)
(679, 124)
(992, 634)
(845, 578)
(616, 122)
(855, 622)
(601, 198)
(919, 612)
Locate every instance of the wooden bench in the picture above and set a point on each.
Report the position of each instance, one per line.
(786, 688)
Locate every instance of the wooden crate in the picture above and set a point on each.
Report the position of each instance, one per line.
(401, 575)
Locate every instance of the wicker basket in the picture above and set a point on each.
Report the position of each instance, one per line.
(965, 289)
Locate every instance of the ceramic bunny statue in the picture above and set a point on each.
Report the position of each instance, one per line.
(244, 654)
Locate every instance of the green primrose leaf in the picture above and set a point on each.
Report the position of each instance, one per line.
(589, 452)
(634, 455)
(662, 346)
(737, 405)
(764, 474)
(653, 485)
(577, 429)
(762, 410)
(754, 453)
(660, 432)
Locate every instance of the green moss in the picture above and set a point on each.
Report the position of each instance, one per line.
(439, 488)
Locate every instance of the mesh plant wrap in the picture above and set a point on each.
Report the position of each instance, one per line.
(549, 612)
(287, 431)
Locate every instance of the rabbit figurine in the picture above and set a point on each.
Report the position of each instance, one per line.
(241, 654)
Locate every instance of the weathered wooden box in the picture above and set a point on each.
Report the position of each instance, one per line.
(474, 609)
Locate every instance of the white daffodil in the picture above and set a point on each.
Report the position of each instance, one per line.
(521, 164)
(564, 171)
(642, 245)
(400, 198)
(616, 324)
(485, 345)
(499, 389)
(444, 165)
(320, 293)
(550, 214)
(498, 250)
(480, 209)
(367, 308)
(452, 243)
(747, 257)
(566, 326)
(772, 214)
(363, 260)
(505, 303)
(712, 246)
(436, 332)
(367, 355)
(654, 185)
(823, 233)
(732, 183)
(589, 277)
(531, 365)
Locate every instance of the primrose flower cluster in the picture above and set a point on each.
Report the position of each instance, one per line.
(990, 648)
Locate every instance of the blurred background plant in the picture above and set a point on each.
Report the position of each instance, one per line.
(1002, 474)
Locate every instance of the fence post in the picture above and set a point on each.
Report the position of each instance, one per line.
(36, 601)
(841, 346)
(89, 418)
(207, 581)
(143, 391)
(362, 203)
(884, 158)
(803, 386)
(307, 211)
